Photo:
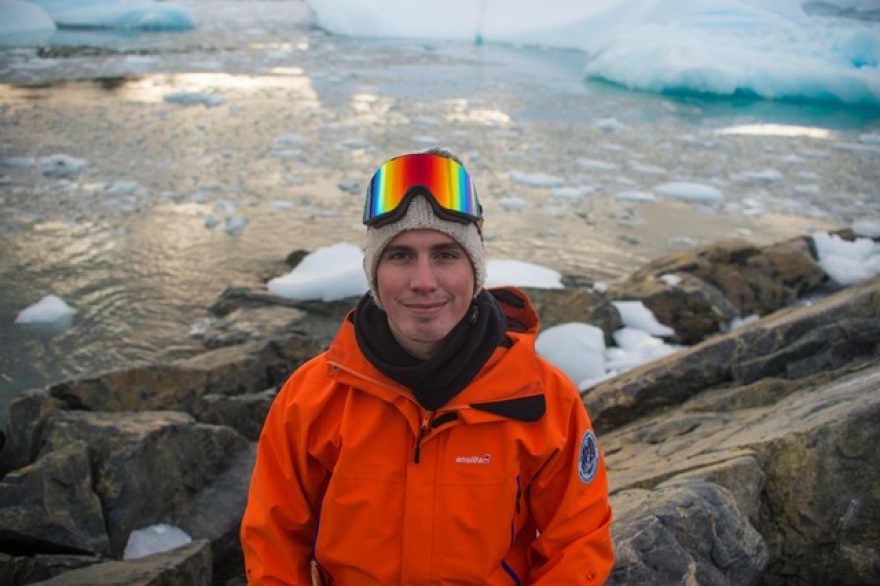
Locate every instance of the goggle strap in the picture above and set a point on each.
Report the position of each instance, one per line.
(400, 211)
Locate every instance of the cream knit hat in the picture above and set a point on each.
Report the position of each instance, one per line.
(420, 216)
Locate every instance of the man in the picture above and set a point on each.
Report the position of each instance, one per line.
(429, 444)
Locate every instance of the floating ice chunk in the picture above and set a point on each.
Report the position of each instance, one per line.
(808, 189)
(49, 309)
(227, 206)
(536, 179)
(637, 196)
(18, 162)
(234, 225)
(154, 539)
(577, 349)
(571, 193)
(698, 192)
(647, 169)
(513, 203)
(61, 166)
(288, 139)
(287, 153)
(425, 122)
(426, 139)
(634, 314)
(500, 273)
(280, 204)
(194, 98)
(857, 147)
(352, 187)
(147, 15)
(867, 228)
(610, 125)
(121, 187)
(353, 144)
(594, 165)
(753, 207)
(766, 178)
(329, 273)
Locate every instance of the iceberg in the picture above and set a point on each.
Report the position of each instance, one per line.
(768, 49)
(24, 17)
(20, 18)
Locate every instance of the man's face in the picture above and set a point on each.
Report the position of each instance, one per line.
(425, 283)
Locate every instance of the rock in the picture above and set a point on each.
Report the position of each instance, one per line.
(692, 307)
(188, 565)
(697, 291)
(235, 370)
(243, 413)
(790, 344)
(29, 570)
(215, 514)
(28, 412)
(691, 533)
(797, 453)
(559, 306)
(49, 506)
(247, 297)
(747, 458)
(148, 466)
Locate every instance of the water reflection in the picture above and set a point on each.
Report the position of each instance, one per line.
(306, 128)
(153, 88)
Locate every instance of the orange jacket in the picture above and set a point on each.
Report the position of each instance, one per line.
(355, 484)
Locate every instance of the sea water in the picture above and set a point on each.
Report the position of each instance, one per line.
(142, 174)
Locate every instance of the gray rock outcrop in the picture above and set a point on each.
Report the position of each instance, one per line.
(747, 458)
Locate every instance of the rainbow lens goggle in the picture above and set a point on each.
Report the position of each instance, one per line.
(446, 184)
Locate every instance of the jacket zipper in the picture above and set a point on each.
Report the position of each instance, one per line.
(423, 431)
(516, 511)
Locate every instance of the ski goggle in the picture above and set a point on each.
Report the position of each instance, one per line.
(443, 181)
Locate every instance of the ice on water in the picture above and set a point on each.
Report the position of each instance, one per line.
(765, 48)
(34, 16)
(49, 309)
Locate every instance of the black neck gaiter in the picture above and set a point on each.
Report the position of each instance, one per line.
(440, 378)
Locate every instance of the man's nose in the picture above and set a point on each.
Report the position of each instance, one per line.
(423, 275)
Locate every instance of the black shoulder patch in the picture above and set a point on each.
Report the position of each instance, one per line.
(527, 409)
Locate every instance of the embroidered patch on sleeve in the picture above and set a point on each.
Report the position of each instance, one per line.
(588, 461)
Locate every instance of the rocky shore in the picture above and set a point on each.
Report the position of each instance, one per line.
(747, 458)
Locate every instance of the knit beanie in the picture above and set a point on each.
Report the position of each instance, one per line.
(420, 216)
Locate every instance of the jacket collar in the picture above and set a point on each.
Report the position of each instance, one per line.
(508, 387)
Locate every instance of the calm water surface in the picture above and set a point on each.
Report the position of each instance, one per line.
(305, 118)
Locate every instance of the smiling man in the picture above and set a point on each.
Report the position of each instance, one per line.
(429, 444)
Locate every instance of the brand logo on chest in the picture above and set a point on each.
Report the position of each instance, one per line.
(482, 460)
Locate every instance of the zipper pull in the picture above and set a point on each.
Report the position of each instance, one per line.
(423, 431)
